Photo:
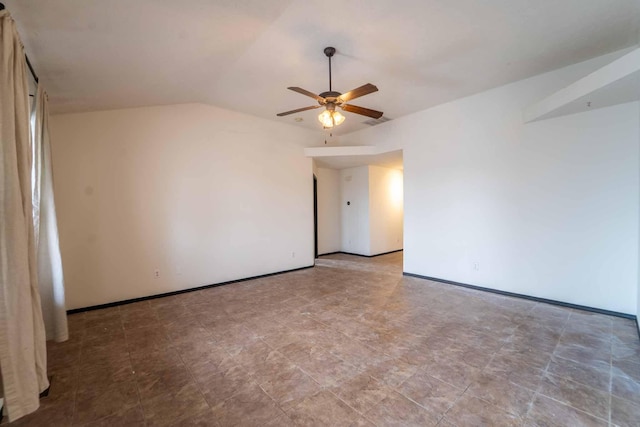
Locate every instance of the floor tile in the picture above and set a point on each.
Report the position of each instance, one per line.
(528, 353)
(269, 366)
(323, 367)
(169, 408)
(289, 387)
(547, 412)
(627, 368)
(362, 422)
(126, 417)
(596, 375)
(583, 354)
(361, 392)
(624, 413)
(197, 351)
(434, 395)
(502, 393)
(472, 411)
(249, 407)
(251, 354)
(206, 418)
(159, 382)
(219, 386)
(322, 409)
(626, 351)
(102, 401)
(146, 339)
(166, 358)
(515, 370)
(139, 319)
(626, 388)
(579, 396)
(453, 371)
(203, 365)
(58, 415)
(390, 371)
(63, 357)
(109, 370)
(397, 410)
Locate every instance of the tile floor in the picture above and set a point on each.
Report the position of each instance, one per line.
(349, 343)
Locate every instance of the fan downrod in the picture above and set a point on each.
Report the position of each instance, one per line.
(329, 51)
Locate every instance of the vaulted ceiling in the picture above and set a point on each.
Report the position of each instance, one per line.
(242, 54)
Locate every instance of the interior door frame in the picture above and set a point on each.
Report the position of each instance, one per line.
(315, 216)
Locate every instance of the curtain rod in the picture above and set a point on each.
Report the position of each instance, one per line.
(33, 72)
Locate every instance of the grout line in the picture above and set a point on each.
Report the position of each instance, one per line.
(424, 407)
(195, 382)
(455, 402)
(611, 376)
(546, 368)
(274, 401)
(77, 373)
(567, 379)
(361, 414)
(574, 408)
(135, 378)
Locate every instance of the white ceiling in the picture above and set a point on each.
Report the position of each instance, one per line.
(242, 54)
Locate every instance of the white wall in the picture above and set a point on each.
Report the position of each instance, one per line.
(202, 194)
(354, 189)
(548, 209)
(385, 209)
(329, 205)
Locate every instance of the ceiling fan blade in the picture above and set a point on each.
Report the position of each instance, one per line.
(307, 93)
(286, 113)
(358, 92)
(362, 111)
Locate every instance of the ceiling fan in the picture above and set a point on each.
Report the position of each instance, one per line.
(331, 99)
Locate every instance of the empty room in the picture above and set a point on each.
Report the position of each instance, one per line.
(320, 213)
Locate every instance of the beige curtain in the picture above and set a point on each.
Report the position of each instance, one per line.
(50, 275)
(22, 336)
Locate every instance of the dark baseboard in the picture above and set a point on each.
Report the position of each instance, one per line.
(183, 291)
(527, 297)
(360, 255)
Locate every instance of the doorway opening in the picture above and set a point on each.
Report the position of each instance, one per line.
(358, 204)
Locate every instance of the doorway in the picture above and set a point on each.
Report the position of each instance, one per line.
(358, 204)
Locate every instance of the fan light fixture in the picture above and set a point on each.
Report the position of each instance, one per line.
(330, 100)
(330, 119)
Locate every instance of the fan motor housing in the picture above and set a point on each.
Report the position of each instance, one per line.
(330, 96)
